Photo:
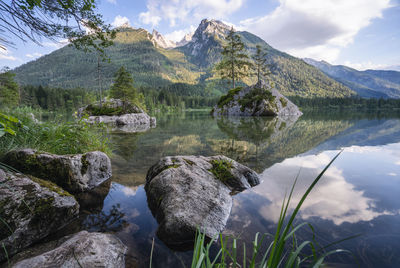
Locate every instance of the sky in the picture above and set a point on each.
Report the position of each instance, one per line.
(363, 34)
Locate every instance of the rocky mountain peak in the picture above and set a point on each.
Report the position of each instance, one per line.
(161, 41)
(209, 28)
(186, 39)
(126, 25)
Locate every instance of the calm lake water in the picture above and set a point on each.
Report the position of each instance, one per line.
(359, 194)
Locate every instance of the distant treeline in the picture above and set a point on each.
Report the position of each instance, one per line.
(345, 103)
(58, 99)
(55, 99)
(178, 97)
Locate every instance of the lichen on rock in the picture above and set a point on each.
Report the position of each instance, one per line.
(74, 173)
(189, 192)
(31, 209)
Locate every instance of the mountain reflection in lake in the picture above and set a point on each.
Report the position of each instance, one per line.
(357, 195)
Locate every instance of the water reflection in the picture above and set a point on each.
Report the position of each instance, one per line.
(333, 199)
(359, 194)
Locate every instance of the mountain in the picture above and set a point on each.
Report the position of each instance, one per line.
(186, 39)
(369, 83)
(161, 41)
(153, 63)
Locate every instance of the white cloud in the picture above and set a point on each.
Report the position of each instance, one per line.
(5, 55)
(112, 1)
(332, 199)
(315, 28)
(365, 65)
(188, 11)
(34, 55)
(177, 35)
(56, 45)
(119, 21)
(129, 191)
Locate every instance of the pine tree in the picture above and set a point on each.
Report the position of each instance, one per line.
(9, 90)
(123, 87)
(260, 66)
(234, 64)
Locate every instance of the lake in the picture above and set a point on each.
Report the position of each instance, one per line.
(359, 194)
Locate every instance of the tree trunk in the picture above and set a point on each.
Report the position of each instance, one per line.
(98, 78)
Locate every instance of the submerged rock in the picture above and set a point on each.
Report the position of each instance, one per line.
(123, 115)
(189, 192)
(75, 173)
(31, 209)
(257, 100)
(83, 249)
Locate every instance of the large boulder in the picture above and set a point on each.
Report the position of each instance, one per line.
(124, 116)
(189, 192)
(257, 100)
(75, 173)
(31, 209)
(83, 249)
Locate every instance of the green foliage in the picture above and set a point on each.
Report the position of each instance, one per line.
(9, 90)
(255, 97)
(284, 249)
(7, 124)
(283, 102)
(34, 19)
(57, 137)
(123, 88)
(225, 99)
(260, 65)
(234, 64)
(221, 170)
(55, 99)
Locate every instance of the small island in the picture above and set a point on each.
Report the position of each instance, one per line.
(257, 100)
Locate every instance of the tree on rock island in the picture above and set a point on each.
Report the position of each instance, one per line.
(234, 64)
(260, 66)
(123, 87)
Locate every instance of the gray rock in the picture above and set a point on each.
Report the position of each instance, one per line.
(183, 194)
(30, 210)
(74, 173)
(247, 102)
(82, 250)
(134, 120)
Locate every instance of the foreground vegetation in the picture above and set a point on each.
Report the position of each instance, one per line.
(56, 136)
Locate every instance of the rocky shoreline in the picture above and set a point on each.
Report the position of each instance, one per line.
(184, 193)
(41, 201)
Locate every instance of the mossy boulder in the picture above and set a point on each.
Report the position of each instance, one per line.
(74, 173)
(123, 115)
(258, 100)
(187, 192)
(31, 209)
(110, 107)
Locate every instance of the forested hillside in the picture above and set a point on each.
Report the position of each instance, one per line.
(369, 83)
(190, 65)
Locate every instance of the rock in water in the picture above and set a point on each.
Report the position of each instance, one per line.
(257, 100)
(75, 173)
(82, 250)
(189, 192)
(30, 210)
(123, 115)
